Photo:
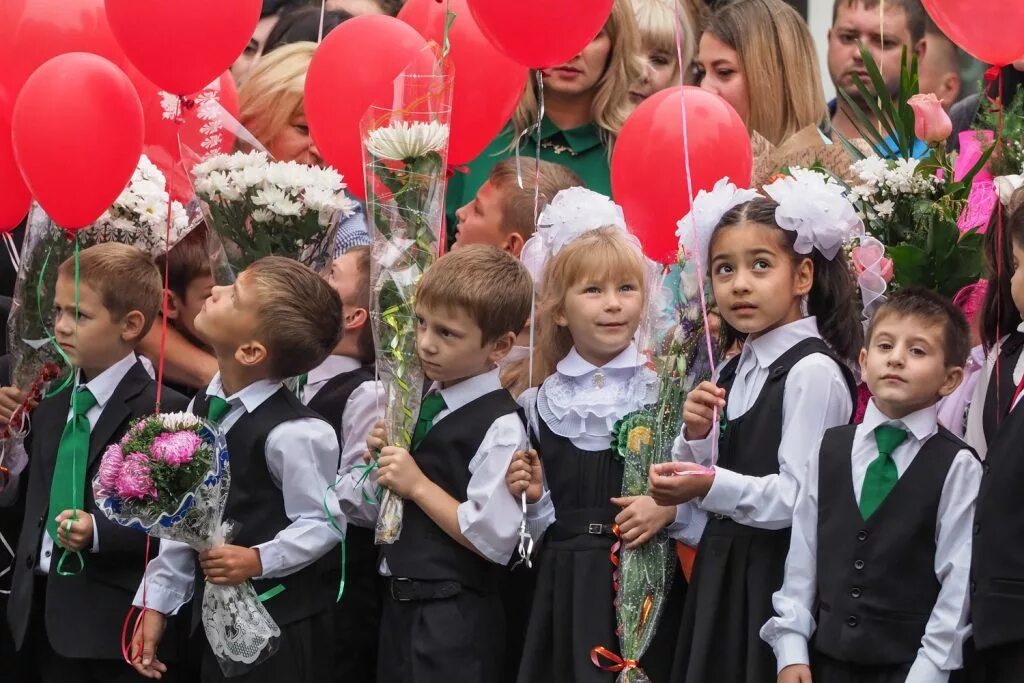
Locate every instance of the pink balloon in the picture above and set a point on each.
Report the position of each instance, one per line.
(14, 196)
(648, 164)
(77, 132)
(183, 45)
(541, 33)
(991, 31)
(488, 85)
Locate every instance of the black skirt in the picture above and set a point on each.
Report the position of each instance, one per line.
(737, 570)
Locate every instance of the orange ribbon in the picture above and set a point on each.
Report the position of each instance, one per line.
(617, 663)
(615, 557)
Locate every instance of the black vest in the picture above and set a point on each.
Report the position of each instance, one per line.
(1001, 385)
(256, 507)
(333, 396)
(876, 578)
(750, 443)
(997, 567)
(424, 551)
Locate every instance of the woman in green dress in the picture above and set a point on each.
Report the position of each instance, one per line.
(586, 101)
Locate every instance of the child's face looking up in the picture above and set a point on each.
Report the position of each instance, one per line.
(228, 317)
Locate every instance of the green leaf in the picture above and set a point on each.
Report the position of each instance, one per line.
(910, 264)
(862, 122)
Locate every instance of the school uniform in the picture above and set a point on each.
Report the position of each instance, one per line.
(997, 572)
(442, 618)
(343, 392)
(783, 391)
(282, 457)
(994, 390)
(571, 419)
(882, 599)
(71, 624)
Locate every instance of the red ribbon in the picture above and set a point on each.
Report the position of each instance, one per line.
(617, 663)
(615, 557)
(46, 374)
(452, 170)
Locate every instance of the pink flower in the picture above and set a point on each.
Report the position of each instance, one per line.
(176, 448)
(931, 122)
(110, 468)
(867, 257)
(134, 482)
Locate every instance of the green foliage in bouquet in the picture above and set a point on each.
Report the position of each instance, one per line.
(1008, 156)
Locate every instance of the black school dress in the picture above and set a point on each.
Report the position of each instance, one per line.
(739, 567)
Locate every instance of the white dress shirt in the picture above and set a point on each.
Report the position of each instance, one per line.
(975, 434)
(102, 388)
(310, 448)
(948, 626)
(816, 398)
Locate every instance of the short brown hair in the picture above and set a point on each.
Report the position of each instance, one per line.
(362, 252)
(299, 315)
(187, 260)
(917, 18)
(489, 284)
(123, 276)
(926, 305)
(518, 203)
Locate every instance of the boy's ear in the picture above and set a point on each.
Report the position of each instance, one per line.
(862, 359)
(251, 354)
(513, 243)
(355, 318)
(173, 305)
(953, 378)
(131, 326)
(501, 347)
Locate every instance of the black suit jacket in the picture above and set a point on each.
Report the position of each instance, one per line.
(84, 612)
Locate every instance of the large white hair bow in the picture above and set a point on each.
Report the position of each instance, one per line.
(705, 215)
(815, 208)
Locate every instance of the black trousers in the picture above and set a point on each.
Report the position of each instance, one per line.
(456, 640)
(1004, 663)
(304, 655)
(824, 669)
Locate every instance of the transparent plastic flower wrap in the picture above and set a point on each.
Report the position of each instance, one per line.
(405, 149)
(169, 477)
(672, 336)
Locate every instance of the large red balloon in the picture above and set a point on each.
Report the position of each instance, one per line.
(488, 85)
(162, 128)
(541, 33)
(33, 31)
(77, 132)
(991, 31)
(353, 69)
(183, 45)
(648, 164)
(14, 196)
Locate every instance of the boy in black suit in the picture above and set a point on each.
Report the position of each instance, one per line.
(75, 571)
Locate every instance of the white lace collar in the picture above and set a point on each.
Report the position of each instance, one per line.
(583, 402)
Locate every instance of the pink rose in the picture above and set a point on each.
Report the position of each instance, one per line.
(110, 468)
(176, 448)
(931, 122)
(871, 257)
(134, 482)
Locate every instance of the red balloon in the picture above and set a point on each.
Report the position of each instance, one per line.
(14, 196)
(33, 31)
(162, 129)
(353, 69)
(649, 169)
(541, 33)
(183, 45)
(991, 31)
(77, 132)
(488, 85)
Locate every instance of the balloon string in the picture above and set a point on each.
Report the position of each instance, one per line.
(881, 58)
(689, 190)
(320, 30)
(1000, 250)
(12, 250)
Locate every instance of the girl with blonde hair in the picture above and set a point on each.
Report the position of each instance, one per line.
(658, 22)
(586, 101)
(769, 39)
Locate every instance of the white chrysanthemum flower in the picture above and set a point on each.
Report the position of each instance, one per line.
(178, 421)
(261, 216)
(269, 195)
(871, 170)
(286, 207)
(249, 176)
(884, 209)
(403, 140)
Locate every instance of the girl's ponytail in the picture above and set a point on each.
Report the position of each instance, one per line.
(999, 315)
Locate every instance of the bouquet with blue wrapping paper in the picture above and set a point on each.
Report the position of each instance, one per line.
(169, 477)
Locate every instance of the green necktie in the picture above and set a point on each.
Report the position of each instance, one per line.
(882, 474)
(300, 383)
(218, 409)
(68, 485)
(431, 406)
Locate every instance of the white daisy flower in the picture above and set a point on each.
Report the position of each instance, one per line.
(402, 140)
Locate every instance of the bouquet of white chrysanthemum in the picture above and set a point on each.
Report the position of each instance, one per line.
(405, 148)
(258, 207)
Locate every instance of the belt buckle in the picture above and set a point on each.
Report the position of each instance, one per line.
(392, 589)
(595, 529)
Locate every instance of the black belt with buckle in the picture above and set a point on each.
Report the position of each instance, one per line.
(409, 590)
(561, 531)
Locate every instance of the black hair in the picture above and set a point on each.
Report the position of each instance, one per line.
(832, 296)
(924, 304)
(302, 25)
(999, 315)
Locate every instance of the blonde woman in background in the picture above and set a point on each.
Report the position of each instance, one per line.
(759, 56)
(657, 21)
(586, 101)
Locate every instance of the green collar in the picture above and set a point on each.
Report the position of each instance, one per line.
(579, 140)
